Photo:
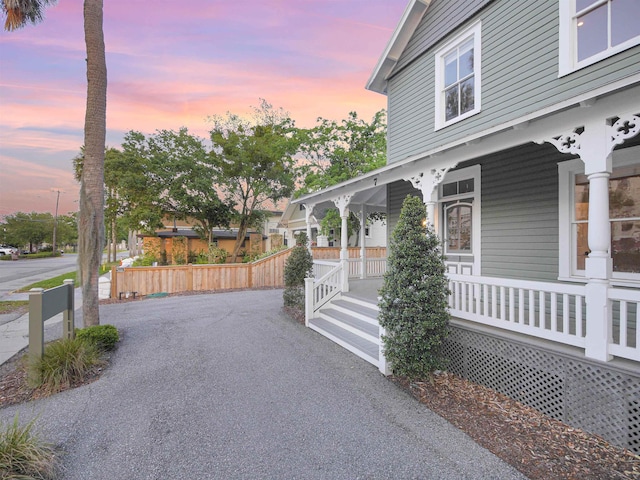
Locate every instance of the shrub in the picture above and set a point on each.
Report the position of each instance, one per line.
(298, 266)
(23, 454)
(104, 337)
(146, 260)
(65, 362)
(414, 308)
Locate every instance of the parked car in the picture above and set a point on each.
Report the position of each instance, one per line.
(7, 250)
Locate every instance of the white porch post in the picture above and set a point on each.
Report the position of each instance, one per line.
(594, 145)
(363, 247)
(307, 214)
(427, 182)
(342, 202)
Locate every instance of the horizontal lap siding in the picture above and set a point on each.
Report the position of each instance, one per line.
(396, 193)
(442, 17)
(519, 74)
(520, 213)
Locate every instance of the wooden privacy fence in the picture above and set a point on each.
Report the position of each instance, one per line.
(265, 273)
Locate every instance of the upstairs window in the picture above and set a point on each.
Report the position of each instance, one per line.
(458, 78)
(591, 30)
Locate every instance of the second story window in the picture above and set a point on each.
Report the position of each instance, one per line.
(458, 78)
(592, 30)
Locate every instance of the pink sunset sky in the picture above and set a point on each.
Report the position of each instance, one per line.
(172, 64)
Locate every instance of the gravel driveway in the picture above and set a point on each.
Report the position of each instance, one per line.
(226, 386)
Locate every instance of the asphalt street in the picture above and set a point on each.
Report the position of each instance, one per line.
(225, 386)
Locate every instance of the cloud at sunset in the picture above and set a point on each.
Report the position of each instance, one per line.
(172, 65)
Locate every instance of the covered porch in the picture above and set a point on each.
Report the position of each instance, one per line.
(595, 314)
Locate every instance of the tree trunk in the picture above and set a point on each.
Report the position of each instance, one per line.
(114, 238)
(242, 232)
(91, 221)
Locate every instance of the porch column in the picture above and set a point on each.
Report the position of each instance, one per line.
(342, 202)
(427, 182)
(363, 247)
(308, 211)
(594, 145)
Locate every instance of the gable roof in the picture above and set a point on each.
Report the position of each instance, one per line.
(404, 31)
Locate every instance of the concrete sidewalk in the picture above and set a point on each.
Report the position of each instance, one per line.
(14, 334)
(225, 386)
(14, 329)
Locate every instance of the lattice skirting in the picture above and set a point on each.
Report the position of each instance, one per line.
(592, 396)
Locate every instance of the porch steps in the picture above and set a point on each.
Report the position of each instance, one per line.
(351, 323)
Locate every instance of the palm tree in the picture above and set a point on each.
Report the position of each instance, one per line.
(91, 218)
(19, 12)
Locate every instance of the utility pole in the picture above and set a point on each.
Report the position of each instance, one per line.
(55, 222)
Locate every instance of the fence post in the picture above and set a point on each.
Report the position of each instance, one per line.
(36, 324)
(68, 326)
(189, 277)
(308, 300)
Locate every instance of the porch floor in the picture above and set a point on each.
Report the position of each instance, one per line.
(365, 289)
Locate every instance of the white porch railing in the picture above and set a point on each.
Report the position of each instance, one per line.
(625, 335)
(319, 291)
(322, 267)
(376, 267)
(552, 311)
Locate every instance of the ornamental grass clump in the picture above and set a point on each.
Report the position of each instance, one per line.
(414, 308)
(65, 363)
(23, 454)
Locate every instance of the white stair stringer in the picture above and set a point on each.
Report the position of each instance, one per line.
(351, 323)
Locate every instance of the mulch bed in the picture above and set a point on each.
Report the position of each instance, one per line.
(538, 446)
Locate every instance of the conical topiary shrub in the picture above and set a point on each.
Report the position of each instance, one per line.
(298, 266)
(414, 308)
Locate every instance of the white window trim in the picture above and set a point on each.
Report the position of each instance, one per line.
(476, 228)
(566, 187)
(472, 31)
(568, 56)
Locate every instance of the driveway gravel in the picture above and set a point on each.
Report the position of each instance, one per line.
(226, 386)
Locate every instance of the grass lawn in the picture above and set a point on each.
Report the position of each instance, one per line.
(10, 306)
(59, 280)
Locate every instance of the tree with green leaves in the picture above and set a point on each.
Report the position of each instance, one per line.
(334, 152)
(174, 176)
(255, 163)
(414, 306)
(32, 228)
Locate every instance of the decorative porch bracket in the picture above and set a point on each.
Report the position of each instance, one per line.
(342, 203)
(594, 143)
(307, 215)
(427, 182)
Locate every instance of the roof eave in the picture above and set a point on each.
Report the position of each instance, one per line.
(398, 42)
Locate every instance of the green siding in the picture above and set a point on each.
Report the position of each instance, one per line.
(396, 193)
(519, 74)
(519, 212)
(442, 17)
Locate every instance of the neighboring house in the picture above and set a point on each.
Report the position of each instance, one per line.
(517, 124)
(294, 220)
(163, 241)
